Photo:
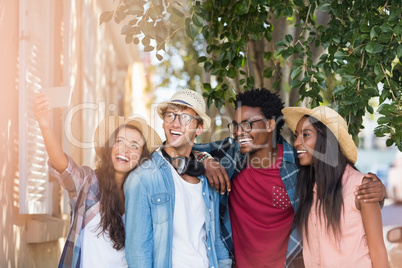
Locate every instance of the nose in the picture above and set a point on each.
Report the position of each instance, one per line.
(239, 130)
(176, 120)
(298, 141)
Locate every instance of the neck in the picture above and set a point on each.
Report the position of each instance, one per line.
(184, 151)
(264, 157)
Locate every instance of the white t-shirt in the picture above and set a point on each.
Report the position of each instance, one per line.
(99, 251)
(189, 247)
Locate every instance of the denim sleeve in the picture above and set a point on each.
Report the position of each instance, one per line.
(207, 147)
(139, 233)
(222, 252)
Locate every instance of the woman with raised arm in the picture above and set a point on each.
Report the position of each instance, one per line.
(96, 236)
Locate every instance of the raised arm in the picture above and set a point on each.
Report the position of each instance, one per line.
(53, 146)
(372, 221)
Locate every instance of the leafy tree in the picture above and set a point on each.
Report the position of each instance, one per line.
(307, 50)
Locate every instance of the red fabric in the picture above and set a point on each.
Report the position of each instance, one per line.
(261, 216)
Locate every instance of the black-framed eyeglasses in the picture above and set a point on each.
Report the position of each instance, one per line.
(184, 119)
(245, 125)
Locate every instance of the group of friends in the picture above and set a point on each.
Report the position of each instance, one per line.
(251, 200)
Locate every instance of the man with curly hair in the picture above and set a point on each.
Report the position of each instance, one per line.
(257, 214)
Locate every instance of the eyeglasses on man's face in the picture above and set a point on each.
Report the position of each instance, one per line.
(245, 125)
(184, 119)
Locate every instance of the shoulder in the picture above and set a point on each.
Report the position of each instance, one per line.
(352, 175)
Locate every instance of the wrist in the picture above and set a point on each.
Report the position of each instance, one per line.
(203, 156)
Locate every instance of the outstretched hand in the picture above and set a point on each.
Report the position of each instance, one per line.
(216, 175)
(372, 191)
(42, 110)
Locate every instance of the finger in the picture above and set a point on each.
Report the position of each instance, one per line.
(222, 182)
(371, 176)
(228, 184)
(368, 185)
(369, 198)
(217, 182)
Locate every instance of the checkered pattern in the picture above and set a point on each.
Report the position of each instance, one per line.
(82, 186)
(228, 154)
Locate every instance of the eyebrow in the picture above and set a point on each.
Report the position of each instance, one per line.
(304, 130)
(128, 140)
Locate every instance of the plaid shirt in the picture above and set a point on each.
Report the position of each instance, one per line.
(229, 156)
(82, 186)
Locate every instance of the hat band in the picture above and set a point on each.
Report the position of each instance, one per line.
(186, 103)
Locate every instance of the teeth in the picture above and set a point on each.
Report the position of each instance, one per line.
(122, 157)
(301, 151)
(176, 132)
(244, 140)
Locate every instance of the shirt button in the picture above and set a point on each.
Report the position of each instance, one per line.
(158, 200)
(209, 210)
(209, 248)
(203, 193)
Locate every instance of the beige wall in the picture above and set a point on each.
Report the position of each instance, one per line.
(104, 77)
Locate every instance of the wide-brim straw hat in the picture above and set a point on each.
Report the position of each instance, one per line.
(331, 119)
(191, 99)
(110, 124)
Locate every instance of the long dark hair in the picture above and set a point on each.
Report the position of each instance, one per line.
(326, 172)
(110, 202)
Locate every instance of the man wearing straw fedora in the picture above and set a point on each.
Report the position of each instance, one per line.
(171, 211)
(257, 214)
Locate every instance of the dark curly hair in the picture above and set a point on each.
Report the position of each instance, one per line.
(271, 105)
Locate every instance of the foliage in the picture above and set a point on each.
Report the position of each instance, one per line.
(362, 44)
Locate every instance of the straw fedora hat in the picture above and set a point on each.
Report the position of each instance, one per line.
(331, 119)
(191, 99)
(110, 124)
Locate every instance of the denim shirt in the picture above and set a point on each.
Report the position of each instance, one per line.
(227, 152)
(149, 200)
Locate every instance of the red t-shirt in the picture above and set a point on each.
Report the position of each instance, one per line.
(261, 216)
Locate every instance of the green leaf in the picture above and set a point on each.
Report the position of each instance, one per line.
(295, 83)
(232, 72)
(268, 72)
(399, 51)
(198, 20)
(295, 73)
(373, 47)
(340, 55)
(191, 29)
(324, 7)
(338, 90)
(389, 142)
(374, 32)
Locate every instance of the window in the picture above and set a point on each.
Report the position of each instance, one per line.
(40, 65)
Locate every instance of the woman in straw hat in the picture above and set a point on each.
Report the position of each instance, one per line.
(96, 236)
(337, 228)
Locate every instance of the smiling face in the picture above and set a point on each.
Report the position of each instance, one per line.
(180, 137)
(305, 141)
(127, 150)
(257, 141)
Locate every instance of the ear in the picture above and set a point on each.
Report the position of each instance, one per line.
(199, 130)
(270, 125)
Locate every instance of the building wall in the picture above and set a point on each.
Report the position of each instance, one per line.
(97, 75)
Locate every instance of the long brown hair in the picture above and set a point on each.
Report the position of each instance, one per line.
(110, 202)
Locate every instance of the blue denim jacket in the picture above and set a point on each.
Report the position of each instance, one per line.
(149, 200)
(227, 152)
